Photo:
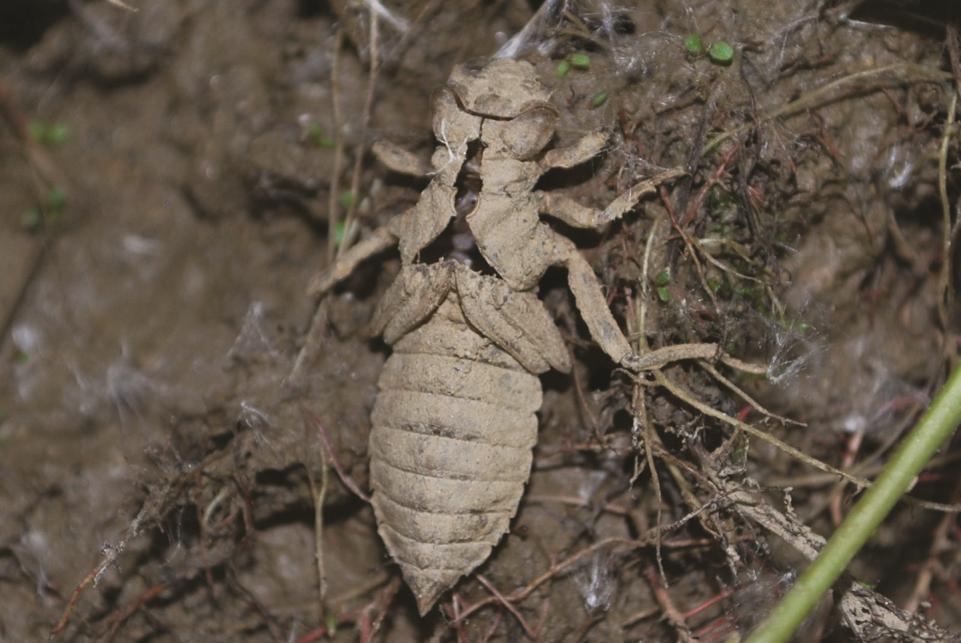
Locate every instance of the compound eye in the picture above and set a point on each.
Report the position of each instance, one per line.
(530, 132)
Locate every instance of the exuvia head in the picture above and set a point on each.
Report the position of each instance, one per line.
(519, 119)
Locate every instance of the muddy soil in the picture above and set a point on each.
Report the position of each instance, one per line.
(178, 418)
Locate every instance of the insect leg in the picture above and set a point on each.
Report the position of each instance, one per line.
(586, 148)
(626, 200)
(592, 304)
(397, 159)
(574, 214)
(381, 239)
(568, 210)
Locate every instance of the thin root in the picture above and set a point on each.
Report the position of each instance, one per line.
(862, 483)
(325, 439)
(509, 606)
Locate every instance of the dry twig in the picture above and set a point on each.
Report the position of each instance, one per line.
(364, 126)
(110, 555)
(123, 5)
(337, 170)
(692, 401)
(509, 606)
(142, 600)
(318, 494)
(663, 598)
(946, 293)
(903, 72)
(871, 616)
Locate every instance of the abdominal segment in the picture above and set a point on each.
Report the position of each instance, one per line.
(453, 429)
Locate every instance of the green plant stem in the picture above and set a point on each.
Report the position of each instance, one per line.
(933, 429)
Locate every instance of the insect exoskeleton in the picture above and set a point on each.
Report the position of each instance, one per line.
(455, 422)
(454, 425)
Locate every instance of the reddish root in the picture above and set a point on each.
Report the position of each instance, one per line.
(509, 606)
(325, 439)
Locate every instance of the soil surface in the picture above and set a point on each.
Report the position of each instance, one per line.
(181, 424)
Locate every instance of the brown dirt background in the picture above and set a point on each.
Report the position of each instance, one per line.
(151, 412)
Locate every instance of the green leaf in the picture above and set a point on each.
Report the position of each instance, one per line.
(319, 138)
(693, 44)
(56, 199)
(599, 99)
(562, 69)
(339, 230)
(663, 278)
(580, 61)
(48, 134)
(346, 199)
(721, 52)
(57, 134)
(795, 325)
(331, 622)
(664, 294)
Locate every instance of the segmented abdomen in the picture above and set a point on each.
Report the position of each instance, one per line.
(453, 428)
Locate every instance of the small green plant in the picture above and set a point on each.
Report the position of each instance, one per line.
(693, 44)
(721, 52)
(747, 292)
(56, 201)
(340, 230)
(330, 621)
(317, 136)
(563, 68)
(49, 134)
(661, 283)
(346, 199)
(580, 60)
(721, 203)
(599, 99)
(794, 325)
(50, 210)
